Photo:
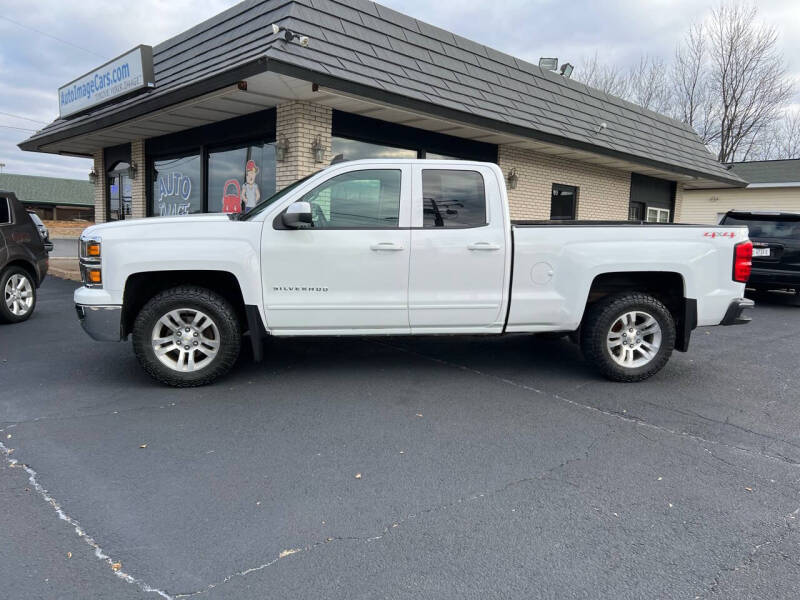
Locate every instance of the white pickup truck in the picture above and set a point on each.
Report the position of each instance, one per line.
(403, 247)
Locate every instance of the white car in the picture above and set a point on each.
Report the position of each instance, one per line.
(403, 247)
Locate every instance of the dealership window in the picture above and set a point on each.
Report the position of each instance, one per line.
(453, 198)
(240, 177)
(564, 202)
(358, 136)
(347, 149)
(435, 156)
(657, 215)
(368, 198)
(212, 168)
(177, 187)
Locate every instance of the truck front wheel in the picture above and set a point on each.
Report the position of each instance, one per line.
(628, 337)
(187, 336)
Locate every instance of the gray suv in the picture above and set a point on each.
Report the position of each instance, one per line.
(23, 260)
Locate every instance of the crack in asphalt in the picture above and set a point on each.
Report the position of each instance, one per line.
(790, 521)
(33, 479)
(196, 396)
(545, 475)
(387, 530)
(639, 422)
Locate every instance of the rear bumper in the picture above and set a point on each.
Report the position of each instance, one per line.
(102, 323)
(734, 314)
(774, 277)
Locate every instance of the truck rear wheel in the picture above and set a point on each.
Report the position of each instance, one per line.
(628, 337)
(187, 336)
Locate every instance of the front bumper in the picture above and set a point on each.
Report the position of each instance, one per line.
(734, 315)
(102, 323)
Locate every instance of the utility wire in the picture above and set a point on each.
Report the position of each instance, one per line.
(40, 32)
(19, 128)
(8, 114)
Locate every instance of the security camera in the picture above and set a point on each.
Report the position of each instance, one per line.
(289, 35)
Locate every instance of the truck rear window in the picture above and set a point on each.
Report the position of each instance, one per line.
(767, 226)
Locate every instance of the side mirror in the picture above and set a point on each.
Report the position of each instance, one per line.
(297, 216)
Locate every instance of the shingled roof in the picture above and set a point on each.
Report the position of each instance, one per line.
(32, 189)
(768, 171)
(372, 51)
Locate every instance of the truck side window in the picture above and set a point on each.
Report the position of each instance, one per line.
(453, 198)
(5, 211)
(359, 199)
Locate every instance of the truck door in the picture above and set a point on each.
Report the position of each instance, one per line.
(459, 261)
(348, 273)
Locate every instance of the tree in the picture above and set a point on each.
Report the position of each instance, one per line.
(607, 78)
(747, 76)
(692, 101)
(728, 81)
(780, 140)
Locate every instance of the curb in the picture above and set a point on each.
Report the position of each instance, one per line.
(64, 268)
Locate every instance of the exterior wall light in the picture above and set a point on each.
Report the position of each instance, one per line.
(566, 70)
(318, 149)
(282, 149)
(132, 170)
(512, 179)
(93, 176)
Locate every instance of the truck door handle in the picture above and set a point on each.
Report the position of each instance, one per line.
(483, 246)
(390, 246)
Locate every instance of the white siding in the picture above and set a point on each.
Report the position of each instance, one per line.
(703, 206)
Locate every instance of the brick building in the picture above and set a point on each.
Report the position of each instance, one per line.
(230, 110)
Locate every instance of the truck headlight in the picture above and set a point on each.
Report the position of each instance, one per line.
(90, 248)
(90, 261)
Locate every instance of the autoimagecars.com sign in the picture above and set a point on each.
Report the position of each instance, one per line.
(131, 72)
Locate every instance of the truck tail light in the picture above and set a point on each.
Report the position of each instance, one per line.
(742, 261)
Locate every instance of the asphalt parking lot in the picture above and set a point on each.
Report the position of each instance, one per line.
(487, 468)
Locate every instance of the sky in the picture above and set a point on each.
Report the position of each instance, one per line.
(46, 44)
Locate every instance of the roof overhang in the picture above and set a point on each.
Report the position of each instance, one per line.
(270, 82)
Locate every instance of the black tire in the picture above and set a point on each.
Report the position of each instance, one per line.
(597, 325)
(188, 298)
(6, 314)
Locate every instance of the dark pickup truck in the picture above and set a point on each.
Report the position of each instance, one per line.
(776, 248)
(23, 260)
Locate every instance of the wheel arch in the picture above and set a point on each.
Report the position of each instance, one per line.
(28, 266)
(669, 287)
(141, 287)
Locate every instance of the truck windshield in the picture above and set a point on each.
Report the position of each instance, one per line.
(274, 198)
(767, 226)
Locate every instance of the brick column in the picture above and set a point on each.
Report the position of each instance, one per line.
(138, 192)
(299, 123)
(99, 188)
(678, 202)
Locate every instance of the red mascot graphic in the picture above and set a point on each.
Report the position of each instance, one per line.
(231, 200)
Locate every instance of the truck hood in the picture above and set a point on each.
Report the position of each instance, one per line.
(131, 223)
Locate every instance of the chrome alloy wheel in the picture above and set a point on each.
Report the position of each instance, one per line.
(18, 295)
(185, 340)
(634, 339)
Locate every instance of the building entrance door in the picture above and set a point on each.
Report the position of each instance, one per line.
(119, 193)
